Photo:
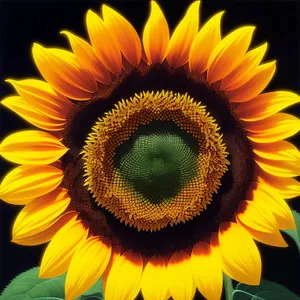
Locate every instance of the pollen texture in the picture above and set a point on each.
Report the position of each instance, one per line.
(155, 160)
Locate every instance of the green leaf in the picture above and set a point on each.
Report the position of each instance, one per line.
(28, 286)
(295, 234)
(228, 287)
(267, 290)
(96, 296)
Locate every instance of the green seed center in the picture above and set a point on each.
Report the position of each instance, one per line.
(157, 161)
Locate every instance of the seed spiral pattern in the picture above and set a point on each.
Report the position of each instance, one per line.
(176, 183)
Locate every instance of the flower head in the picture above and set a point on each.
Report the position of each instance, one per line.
(158, 160)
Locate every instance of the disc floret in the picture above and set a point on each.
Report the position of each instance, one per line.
(155, 160)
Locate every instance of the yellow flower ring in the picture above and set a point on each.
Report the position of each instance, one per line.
(159, 161)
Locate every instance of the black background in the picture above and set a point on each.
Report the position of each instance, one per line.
(25, 22)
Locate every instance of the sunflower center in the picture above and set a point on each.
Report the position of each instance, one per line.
(155, 160)
(91, 179)
(158, 161)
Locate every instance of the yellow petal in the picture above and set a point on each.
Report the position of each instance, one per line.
(207, 270)
(31, 115)
(183, 37)
(104, 43)
(128, 39)
(272, 201)
(27, 182)
(259, 221)
(271, 239)
(32, 147)
(287, 188)
(229, 53)
(40, 213)
(156, 35)
(280, 150)
(123, 281)
(115, 255)
(180, 276)
(61, 249)
(279, 168)
(42, 98)
(88, 58)
(153, 283)
(87, 266)
(240, 257)
(47, 234)
(273, 129)
(245, 70)
(266, 105)
(205, 42)
(258, 82)
(63, 71)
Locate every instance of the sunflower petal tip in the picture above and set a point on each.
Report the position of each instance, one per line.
(14, 238)
(249, 29)
(66, 32)
(11, 81)
(273, 65)
(106, 7)
(220, 14)
(37, 48)
(195, 5)
(108, 11)
(285, 244)
(154, 4)
(91, 13)
(36, 45)
(155, 7)
(252, 29)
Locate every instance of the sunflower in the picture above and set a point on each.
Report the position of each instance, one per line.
(158, 161)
